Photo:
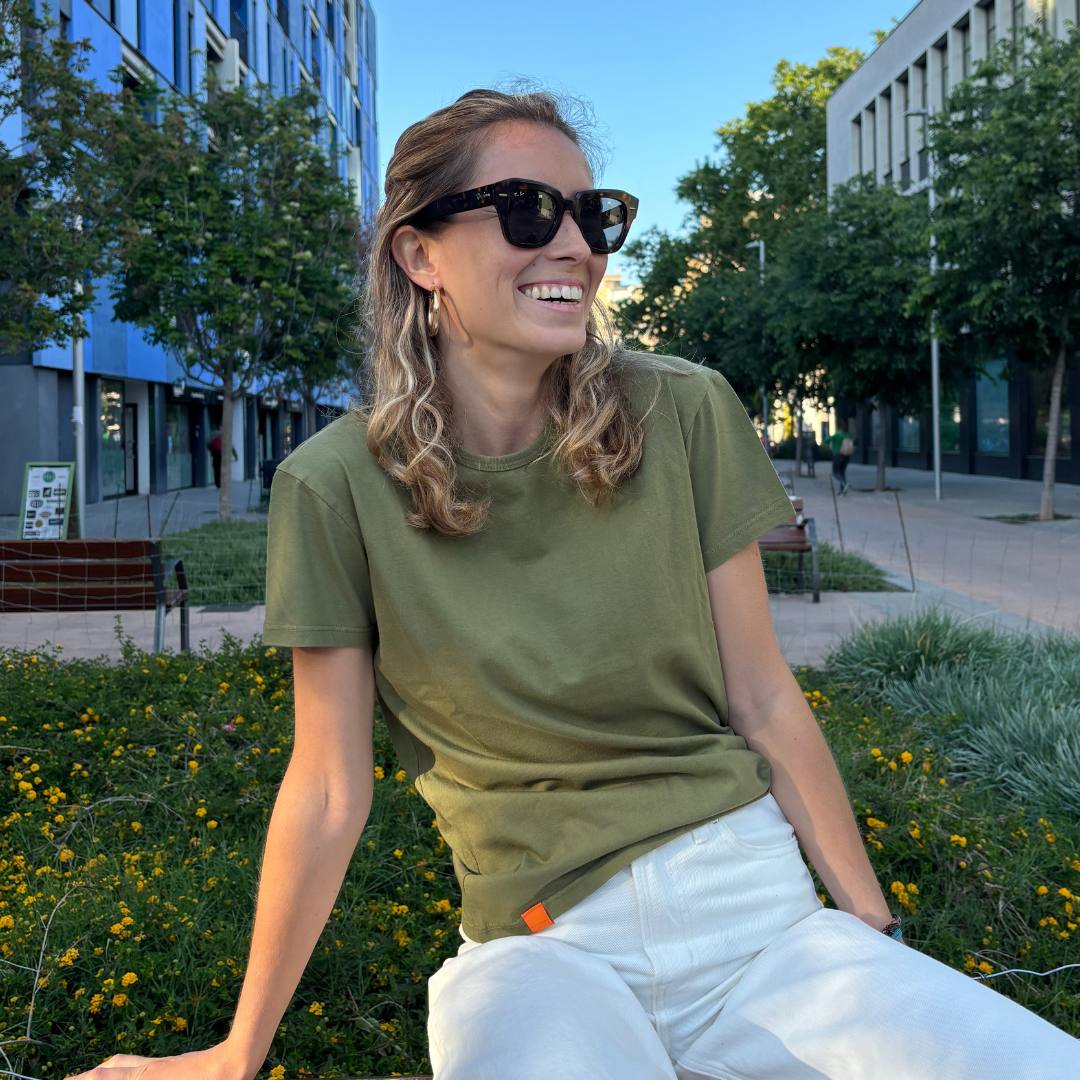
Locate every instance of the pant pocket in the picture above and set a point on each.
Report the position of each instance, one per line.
(759, 828)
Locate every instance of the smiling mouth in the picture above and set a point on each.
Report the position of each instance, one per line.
(565, 305)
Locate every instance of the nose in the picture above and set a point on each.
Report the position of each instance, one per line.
(569, 241)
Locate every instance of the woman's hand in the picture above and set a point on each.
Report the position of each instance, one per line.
(217, 1063)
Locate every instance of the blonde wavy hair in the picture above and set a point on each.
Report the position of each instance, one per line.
(406, 405)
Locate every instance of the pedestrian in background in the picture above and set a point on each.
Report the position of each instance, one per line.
(214, 446)
(843, 446)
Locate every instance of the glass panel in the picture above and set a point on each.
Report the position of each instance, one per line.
(111, 427)
(1040, 408)
(910, 434)
(950, 427)
(875, 428)
(992, 409)
(177, 446)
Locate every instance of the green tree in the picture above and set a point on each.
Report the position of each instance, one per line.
(843, 286)
(1007, 152)
(700, 294)
(241, 246)
(52, 193)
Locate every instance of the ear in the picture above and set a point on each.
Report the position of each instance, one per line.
(413, 252)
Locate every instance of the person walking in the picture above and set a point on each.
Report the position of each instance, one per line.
(214, 446)
(551, 539)
(843, 446)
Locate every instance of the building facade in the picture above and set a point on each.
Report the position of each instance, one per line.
(147, 426)
(993, 425)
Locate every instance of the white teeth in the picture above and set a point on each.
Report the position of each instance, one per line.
(554, 292)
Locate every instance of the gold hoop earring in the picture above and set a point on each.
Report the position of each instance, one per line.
(433, 313)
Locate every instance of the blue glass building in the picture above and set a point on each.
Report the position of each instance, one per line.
(146, 426)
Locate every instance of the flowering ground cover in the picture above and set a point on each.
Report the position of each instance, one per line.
(136, 798)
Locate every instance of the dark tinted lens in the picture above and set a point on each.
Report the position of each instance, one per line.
(530, 216)
(603, 221)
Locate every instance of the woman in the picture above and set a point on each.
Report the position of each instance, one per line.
(549, 543)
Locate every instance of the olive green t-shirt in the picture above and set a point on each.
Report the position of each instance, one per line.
(552, 683)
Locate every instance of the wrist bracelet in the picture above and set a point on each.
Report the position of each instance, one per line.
(894, 930)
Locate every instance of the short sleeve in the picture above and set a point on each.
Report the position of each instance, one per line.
(737, 494)
(318, 590)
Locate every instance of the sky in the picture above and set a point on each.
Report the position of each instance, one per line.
(659, 75)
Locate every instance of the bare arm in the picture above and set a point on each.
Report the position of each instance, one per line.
(320, 812)
(767, 708)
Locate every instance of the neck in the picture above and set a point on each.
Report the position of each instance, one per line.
(497, 404)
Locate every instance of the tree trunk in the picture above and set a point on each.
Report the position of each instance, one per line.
(309, 415)
(225, 495)
(883, 437)
(1053, 429)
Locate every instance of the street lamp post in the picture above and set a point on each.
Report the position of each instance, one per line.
(760, 245)
(935, 365)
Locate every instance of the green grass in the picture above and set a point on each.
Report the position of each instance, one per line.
(840, 571)
(1023, 519)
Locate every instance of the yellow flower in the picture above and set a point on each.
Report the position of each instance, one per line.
(389, 1026)
(875, 752)
(1041, 890)
(398, 853)
(960, 840)
(120, 999)
(400, 775)
(128, 978)
(876, 823)
(907, 757)
(316, 1008)
(442, 905)
(1050, 837)
(379, 774)
(277, 1073)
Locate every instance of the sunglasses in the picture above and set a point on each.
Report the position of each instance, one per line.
(530, 212)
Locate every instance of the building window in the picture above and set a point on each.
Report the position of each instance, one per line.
(1018, 13)
(110, 427)
(856, 140)
(1039, 396)
(330, 21)
(943, 52)
(909, 434)
(992, 409)
(950, 427)
(991, 26)
(190, 57)
(238, 25)
(871, 116)
(65, 26)
(283, 14)
(888, 137)
(965, 50)
(316, 70)
(177, 446)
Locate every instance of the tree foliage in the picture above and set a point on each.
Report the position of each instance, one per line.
(53, 196)
(243, 247)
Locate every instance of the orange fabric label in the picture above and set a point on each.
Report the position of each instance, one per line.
(536, 918)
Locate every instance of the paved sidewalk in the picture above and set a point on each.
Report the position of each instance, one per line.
(1022, 577)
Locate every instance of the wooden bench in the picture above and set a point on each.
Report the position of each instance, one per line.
(798, 535)
(94, 575)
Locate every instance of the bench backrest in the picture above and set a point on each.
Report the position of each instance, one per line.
(81, 575)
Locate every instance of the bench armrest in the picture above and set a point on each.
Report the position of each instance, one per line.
(181, 574)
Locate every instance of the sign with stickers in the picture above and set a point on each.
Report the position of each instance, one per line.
(46, 500)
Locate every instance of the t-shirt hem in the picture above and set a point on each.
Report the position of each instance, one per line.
(583, 887)
(776, 512)
(283, 634)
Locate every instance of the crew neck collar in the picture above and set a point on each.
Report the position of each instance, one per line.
(503, 462)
